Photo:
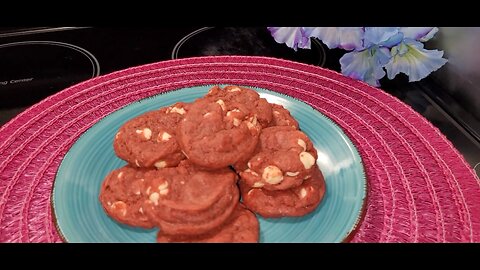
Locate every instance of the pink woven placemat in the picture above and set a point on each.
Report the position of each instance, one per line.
(420, 189)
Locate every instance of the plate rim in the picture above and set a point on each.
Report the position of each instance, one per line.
(348, 235)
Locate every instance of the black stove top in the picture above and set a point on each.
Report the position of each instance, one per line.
(37, 62)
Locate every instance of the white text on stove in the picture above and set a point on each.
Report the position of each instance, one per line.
(16, 81)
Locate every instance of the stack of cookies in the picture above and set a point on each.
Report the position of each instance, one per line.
(189, 165)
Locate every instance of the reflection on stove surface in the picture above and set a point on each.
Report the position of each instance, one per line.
(243, 41)
(32, 70)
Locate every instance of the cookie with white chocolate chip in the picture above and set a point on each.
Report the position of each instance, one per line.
(282, 117)
(186, 200)
(122, 198)
(241, 227)
(149, 140)
(245, 99)
(293, 202)
(285, 157)
(215, 136)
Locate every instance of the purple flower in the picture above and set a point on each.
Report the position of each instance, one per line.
(382, 36)
(294, 37)
(410, 58)
(366, 65)
(419, 33)
(396, 49)
(348, 38)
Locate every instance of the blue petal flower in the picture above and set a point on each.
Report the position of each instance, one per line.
(410, 58)
(348, 38)
(419, 33)
(366, 65)
(294, 37)
(382, 36)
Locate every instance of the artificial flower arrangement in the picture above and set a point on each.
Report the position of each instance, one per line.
(372, 49)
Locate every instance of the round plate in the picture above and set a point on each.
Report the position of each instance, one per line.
(81, 218)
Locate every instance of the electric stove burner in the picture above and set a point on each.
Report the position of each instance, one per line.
(243, 41)
(33, 70)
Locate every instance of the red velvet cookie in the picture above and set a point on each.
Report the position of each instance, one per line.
(186, 200)
(246, 99)
(214, 137)
(282, 117)
(285, 158)
(149, 140)
(241, 227)
(293, 202)
(122, 199)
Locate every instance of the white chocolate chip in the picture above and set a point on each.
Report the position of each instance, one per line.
(249, 165)
(258, 184)
(251, 172)
(272, 175)
(302, 144)
(164, 136)
(163, 186)
(140, 210)
(154, 198)
(307, 160)
(137, 192)
(164, 191)
(235, 89)
(292, 174)
(139, 131)
(253, 119)
(252, 122)
(147, 133)
(120, 174)
(207, 114)
(303, 193)
(121, 206)
(136, 163)
(248, 193)
(222, 104)
(148, 190)
(236, 122)
(177, 110)
(160, 164)
(229, 113)
(276, 112)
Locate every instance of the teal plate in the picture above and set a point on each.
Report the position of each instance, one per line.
(80, 216)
